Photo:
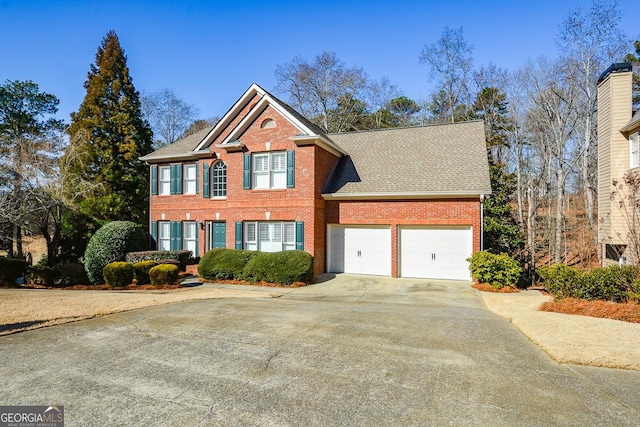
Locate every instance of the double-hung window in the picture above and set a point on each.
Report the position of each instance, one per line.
(190, 237)
(633, 150)
(164, 236)
(270, 236)
(190, 179)
(270, 170)
(164, 180)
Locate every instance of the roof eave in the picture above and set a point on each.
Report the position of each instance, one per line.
(407, 195)
(321, 141)
(192, 155)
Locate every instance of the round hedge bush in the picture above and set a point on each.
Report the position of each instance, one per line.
(118, 274)
(111, 243)
(164, 274)
(141, 271)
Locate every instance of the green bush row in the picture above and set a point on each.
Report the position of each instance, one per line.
(12, 269)
(614, 283)
(286, 267)
(183, 257)
(120, 274)
(495, 270)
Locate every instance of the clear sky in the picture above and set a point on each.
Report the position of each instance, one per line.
(209, 52)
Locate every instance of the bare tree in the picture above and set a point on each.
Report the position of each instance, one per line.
(168, 115)
(590, 41)
(626, 194)
(450, 61)
(322, 86)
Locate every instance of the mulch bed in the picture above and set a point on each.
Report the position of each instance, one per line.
(262, 283)
(627, 312)
(488, 288)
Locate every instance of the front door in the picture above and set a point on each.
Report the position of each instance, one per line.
(216, 235)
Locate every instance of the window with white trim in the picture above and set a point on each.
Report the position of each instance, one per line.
(270, 170)
(633, 151)
(190, 179)
(164, 236)
(219, 180)
(189, 236)
(164, 180)
(269, 236)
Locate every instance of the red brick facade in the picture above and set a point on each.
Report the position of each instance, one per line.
(304, 202)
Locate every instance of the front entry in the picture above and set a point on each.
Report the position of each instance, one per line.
(215, 235)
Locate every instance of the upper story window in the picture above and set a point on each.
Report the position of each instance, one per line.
(190, 179)
(270, 170)
(633, 150)
(219, 180)
(164, 180)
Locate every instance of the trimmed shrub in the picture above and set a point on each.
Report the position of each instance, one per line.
(12, 269)
(141, 271)
(111, 243)
(222, 263)
(562, 281)
(284, 267)
(614, 283)
(118, 274)
(495, 270)
(182, 256)
(164, 274)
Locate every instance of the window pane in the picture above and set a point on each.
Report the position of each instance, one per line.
(250, 232)
(279, 180)
(164, 236)
(220, 180)
(261, 162)
(190, 179)
(165, 180)
(263, 230)
(289, 232)
(277, 232)
(279, 162)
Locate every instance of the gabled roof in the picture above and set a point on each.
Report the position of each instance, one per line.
(424, 161)
(265, 99)
(182, 149)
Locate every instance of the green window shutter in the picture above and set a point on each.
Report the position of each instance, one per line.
(154, 180)
(205, 180)
(154, 235)
(178, 179)
(300, 236)
(239, 235)
(246, 172)
(176, 235)
(291, 169)
(172, 184)
(197, 239)
(197, 179)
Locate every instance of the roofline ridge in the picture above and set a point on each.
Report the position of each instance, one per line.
(405, 127)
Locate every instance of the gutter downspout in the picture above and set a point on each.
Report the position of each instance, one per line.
(481, 222)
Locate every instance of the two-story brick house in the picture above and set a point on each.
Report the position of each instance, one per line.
(618, 129)
(395, 202)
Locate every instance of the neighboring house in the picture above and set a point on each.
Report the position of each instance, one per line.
(395, 202)
(617, 153)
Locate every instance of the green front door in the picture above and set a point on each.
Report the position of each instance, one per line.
(219, 234)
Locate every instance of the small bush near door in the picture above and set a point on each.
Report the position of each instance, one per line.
(164, 274)
(221, 263)
(495, 270)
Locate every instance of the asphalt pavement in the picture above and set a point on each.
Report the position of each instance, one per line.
(351, 351)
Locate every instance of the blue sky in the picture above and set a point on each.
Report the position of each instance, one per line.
(209, 52)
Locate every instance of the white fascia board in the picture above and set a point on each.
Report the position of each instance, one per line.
(320, 141)
(231, 114)
(246, 121)
(176, 157)
(401, 196)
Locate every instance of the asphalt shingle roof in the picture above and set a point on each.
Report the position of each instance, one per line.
(435, 159)
(181, 146)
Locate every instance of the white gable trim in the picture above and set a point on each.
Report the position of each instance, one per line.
(230, 115)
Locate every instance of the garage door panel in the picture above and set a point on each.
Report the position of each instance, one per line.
(437, 253)
(361, 250)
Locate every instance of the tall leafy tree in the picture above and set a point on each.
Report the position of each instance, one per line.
(29, 146)
(111, 134)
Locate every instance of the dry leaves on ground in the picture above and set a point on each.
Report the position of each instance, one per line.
(629, 312)
(488, 288)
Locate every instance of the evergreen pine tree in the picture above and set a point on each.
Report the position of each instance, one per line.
(113, 134)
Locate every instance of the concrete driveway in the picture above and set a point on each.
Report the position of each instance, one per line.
(352, 350)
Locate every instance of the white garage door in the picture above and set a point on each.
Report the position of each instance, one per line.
(435, 253)
(360, 250)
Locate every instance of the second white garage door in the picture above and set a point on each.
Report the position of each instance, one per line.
(360, 250)
(435, 253)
